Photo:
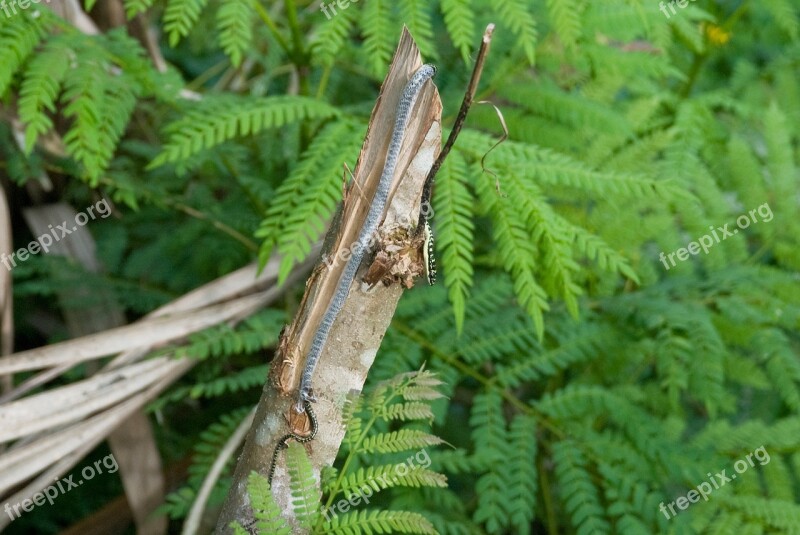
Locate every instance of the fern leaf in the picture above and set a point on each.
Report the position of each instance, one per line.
(382, 477)
(489, 436)
(585, 344)
(19, 35)
(100, 104)
(557, 260)
(180, 16)
(216, 120)
(416, 15)
(408, 411)
(235, 28)
(357, 522)
(455, 232)
(266, 511)
(459, 19)
(40, 89)
(134, 7)
(376, 20)
(565, 15)
(401, 440)
(521, 472)
(785, 15)
(304, 490)
(516, 15)
(778, 514)
(331, 37)
(294, 223)
(780, 161)
(596, 249)
(579, 494)
(516, 253)
(782, 366)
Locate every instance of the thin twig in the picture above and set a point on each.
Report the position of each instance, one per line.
(461, 117)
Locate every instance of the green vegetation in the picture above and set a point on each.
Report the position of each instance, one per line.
(583, 382)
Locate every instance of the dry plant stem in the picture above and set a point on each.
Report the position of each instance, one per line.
(52, 454)
(469, 96)
(6, 300)
(192, 523)
(359, 328)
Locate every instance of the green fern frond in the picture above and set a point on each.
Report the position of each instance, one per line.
(569, 109)
(391, 475)
(565, 15)
(542, 225)
(352, 421)
(489, 436)
(242, 380)
(517, 16)
(774, 513)
(522, 474)
(408, 411)
(777, 479)
(134, 7)
(417, 16)
(459, 18)
(401, 440)
(510, 334)
(180, 16)
(517, 253)
(303, 486)
(376, 21)
(266, 511)
(379, 522)
(256, 333)
(412, 386)
(99, 104)
(459, 461)
(212, 440)
(690, 32)
(578, 492)
(234, 23)
(597, 250)
(782, 366)
(19, 36)
(780, 162)
(585, 344)
(307, 198)
(455, 232)
(215, 120)
(40, 88)
(331, 37)
(785, 15)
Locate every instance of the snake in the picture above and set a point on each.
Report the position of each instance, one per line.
(404, 106)
(305, 396)
(283, 442)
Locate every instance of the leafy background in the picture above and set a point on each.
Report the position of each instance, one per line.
(584, 383)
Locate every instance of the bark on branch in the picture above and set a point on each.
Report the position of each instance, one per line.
(360, 326)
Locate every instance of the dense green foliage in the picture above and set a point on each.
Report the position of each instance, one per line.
(585, 382)
(333, 508)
